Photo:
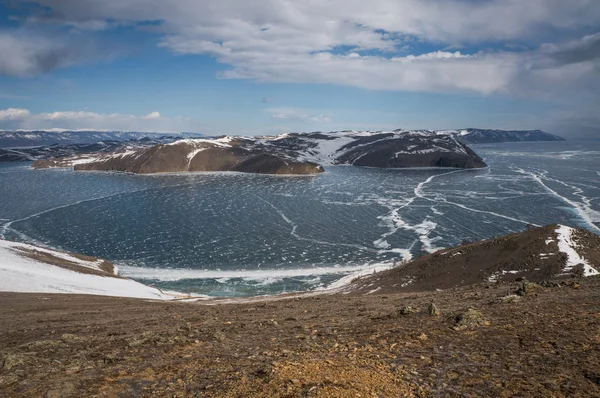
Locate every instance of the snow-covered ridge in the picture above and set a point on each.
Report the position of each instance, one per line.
(24, 138)
(328, 148)
(21, 272)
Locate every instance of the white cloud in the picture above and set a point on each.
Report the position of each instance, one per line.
(13, 114)
(80, 120)
(293, 114)
(153, 115)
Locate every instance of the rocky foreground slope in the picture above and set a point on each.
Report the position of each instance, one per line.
(501, 337)
(286, 154)
(480, 341)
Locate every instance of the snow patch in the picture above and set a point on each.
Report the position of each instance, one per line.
(567, 245)
(494, 277)
(22, 274)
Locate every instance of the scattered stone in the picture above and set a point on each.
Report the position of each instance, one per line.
(527, 288)
(12, 361)
(110, 358)
(70, 338)
(470, 319)
(511, 298)
(593, 377)
(406, 310)
(433, 310)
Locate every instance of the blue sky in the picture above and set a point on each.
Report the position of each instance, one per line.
(270, 66)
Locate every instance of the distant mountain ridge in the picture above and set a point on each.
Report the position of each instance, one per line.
(36, 138)
(68, 150)
(486, 136)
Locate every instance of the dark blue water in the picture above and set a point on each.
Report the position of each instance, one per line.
(241, 234)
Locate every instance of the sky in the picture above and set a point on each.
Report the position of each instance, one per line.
(270, 66)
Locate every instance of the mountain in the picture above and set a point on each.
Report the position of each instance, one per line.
(286, 154)
(34, 138)
(60, 150)
(20, 139)
(482, 136)
(224, 154)
(71, 150)
(539, 254)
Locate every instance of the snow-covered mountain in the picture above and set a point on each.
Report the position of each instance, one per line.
(483, 136)
(386, 149)
(70, 150)
(286, 153)
(20, 138)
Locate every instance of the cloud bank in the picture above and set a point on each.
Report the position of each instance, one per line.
(16, 118)
(372, 45)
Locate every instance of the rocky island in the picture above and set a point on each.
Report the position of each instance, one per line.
(284, 154)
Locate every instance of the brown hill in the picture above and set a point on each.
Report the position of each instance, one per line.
(188, 155)
(536, 255)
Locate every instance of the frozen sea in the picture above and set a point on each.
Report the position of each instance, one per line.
(228, 234)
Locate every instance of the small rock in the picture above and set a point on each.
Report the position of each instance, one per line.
(219, 336)
(433, 310)
(406, 310)
(470, 319)
(527, 288)
(69, 338)
(511, 298)
(593, 377)
(12, 361)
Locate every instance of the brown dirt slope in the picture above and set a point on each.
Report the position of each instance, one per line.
(521, 255)
(484, 342)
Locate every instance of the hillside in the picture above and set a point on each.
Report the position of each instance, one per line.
(485, 342)
(500, 337)
(536, 255)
